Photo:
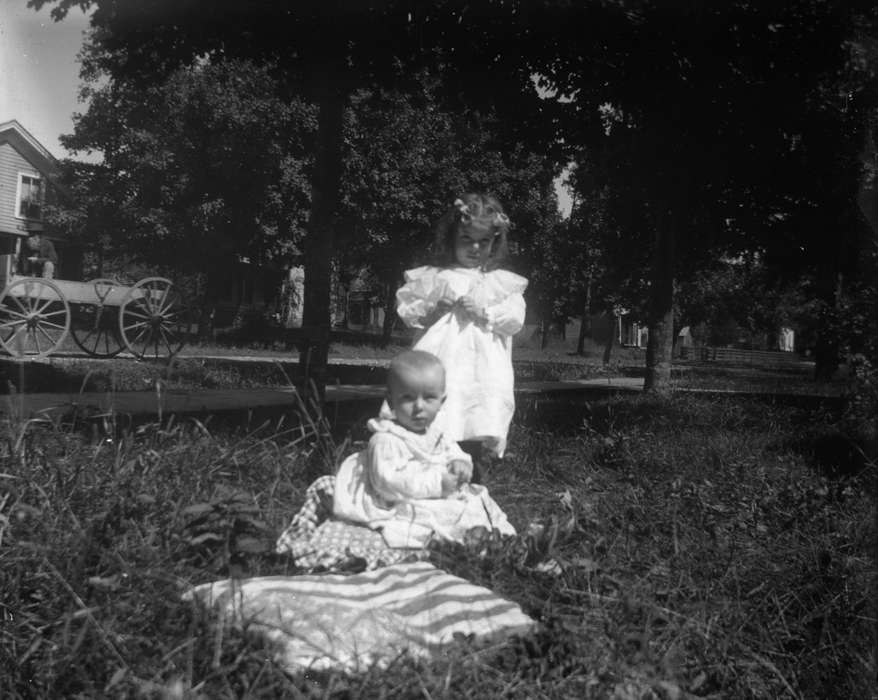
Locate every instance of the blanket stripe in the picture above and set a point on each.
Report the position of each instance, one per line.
(351, 622)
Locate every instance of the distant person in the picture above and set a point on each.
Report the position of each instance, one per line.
(411, 482)
(467, 309)
(40, 257)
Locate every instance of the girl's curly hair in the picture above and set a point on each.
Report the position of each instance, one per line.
(480, 211)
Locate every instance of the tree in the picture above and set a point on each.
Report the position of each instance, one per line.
(408, 158)
(325, 51)
(741, 297)
(710, 122)
(172, 166)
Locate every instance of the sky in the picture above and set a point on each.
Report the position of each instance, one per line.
(39, 73)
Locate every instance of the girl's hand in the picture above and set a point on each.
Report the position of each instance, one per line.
(469, 305)
(442, 308)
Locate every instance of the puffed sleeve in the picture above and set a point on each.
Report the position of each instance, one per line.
(506, 314)
(419, 295)
(396, 476)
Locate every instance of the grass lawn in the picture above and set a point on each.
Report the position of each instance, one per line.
(702, 549)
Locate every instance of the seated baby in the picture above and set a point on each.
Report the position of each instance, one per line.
(411, 483)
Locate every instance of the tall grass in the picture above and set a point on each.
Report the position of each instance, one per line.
(669, 549)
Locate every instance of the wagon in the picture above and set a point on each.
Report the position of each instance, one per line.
(104, 317)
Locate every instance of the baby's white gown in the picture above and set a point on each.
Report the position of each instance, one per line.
(477, 355)
(395, 486)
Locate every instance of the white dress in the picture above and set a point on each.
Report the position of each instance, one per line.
(395, 486)
(477, 355)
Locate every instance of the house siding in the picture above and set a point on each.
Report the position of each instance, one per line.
(11, 164)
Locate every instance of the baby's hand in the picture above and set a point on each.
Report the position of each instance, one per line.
(469, 305)
(450, 483)
(462, 469)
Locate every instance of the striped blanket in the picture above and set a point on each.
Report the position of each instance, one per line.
(353, 622)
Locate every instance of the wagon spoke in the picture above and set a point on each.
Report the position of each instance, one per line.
(11, 330)
(51, 340)
(166, 308)
(165, 337)
(17, 300)
(132, 312)
(143, 331)
(34, 294)
(165, 291)
(150, 337)
(98, 342)
(8, 324)
(136, 324)
(59, 312)
(33, 333)
(46, 304)
(17, 332)
(148, 299)
(85, 338)
(53, 325)
(13, 312)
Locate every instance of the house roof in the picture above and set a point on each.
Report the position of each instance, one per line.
(21, 140)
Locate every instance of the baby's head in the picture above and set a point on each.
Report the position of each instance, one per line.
(415, 389)
(473, 232)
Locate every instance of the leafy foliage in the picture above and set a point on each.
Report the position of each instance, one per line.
(718, 129)
(173, 159)
(408, 157)
(338, 50)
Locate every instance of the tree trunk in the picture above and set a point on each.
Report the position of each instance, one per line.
(389, 313)
(827, 348)
(585, 322)
(867, 193)
(611, 340)
(314, 349)
(660, 344)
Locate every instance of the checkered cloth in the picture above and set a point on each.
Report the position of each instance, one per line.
(319, 543)
(352, 622)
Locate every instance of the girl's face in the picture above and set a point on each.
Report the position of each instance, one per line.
(472, 246)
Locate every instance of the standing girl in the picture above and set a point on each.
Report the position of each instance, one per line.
(467, 309)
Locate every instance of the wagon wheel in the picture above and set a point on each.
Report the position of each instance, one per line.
(153, 320)
(96, 328)
(34, 318)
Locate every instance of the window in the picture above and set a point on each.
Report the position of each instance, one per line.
(30, 196)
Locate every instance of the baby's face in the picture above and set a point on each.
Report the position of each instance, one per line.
(416, 397)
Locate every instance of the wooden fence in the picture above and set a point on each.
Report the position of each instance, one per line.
(736, 356)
